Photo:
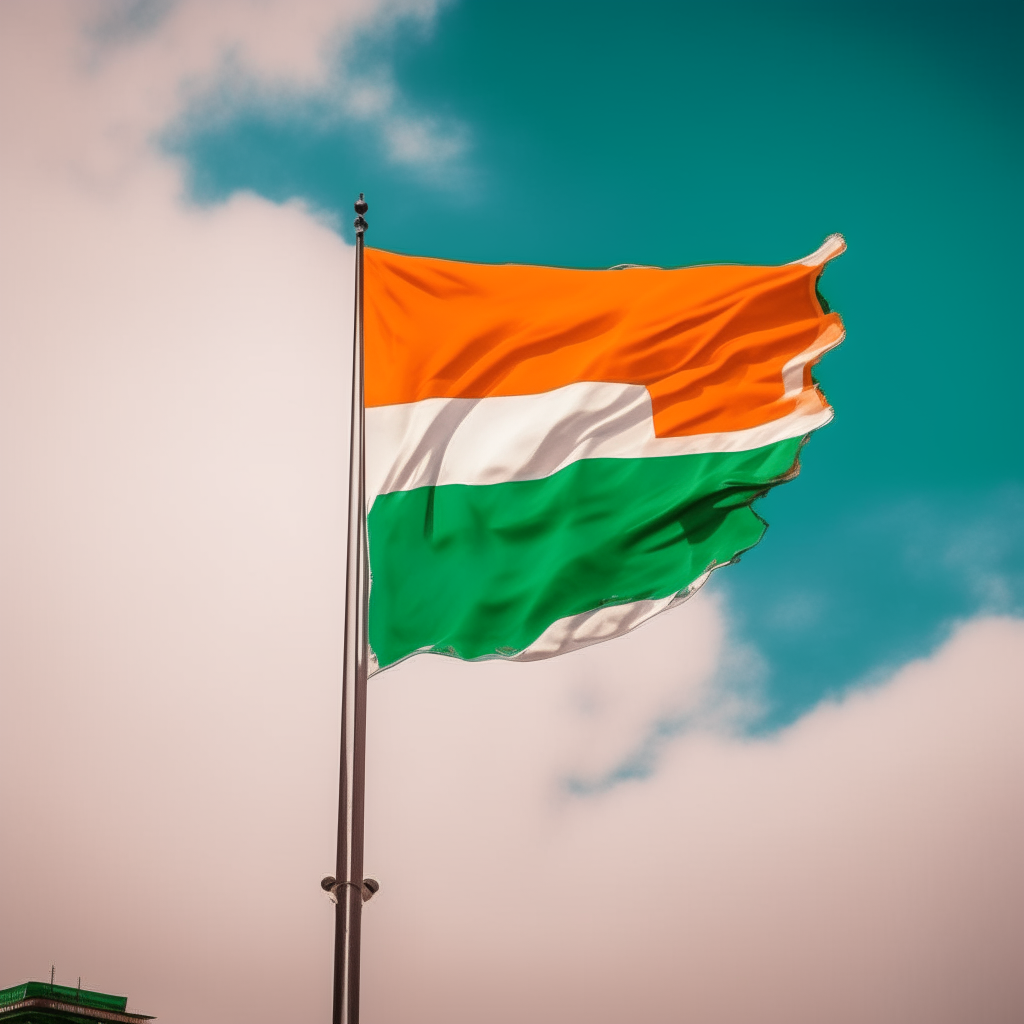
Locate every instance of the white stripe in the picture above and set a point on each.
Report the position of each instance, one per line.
(793, 371)
(828, 250)
(478, 441)
(576, 631)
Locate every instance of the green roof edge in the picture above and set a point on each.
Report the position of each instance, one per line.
(67, 994)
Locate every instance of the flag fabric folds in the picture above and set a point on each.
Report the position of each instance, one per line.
(554, 456)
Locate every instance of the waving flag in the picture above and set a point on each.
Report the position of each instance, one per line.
(554, 456)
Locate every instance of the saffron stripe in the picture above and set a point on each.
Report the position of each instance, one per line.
(709, 343)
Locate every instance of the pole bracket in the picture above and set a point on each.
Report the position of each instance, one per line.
(367, 888)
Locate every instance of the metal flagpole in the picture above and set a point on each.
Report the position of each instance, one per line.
(348, 886)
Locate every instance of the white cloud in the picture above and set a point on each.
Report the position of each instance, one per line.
(172, 415)
(423, 141)
(862, 865)
(79, 95)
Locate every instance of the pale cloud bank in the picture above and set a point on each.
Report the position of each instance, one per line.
(172, 436)
(87, 86)
(864, 864)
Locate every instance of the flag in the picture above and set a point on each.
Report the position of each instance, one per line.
(553, 456)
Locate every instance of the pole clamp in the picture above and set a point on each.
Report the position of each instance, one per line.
(367, 888)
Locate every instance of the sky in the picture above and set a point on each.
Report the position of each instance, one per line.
(798, 797)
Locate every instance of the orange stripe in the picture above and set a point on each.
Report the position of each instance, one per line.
(709, 343)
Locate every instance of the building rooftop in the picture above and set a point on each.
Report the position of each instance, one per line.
(39, 1002)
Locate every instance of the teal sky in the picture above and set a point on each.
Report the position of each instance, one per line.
(671, 134)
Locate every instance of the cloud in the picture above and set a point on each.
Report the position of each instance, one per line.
(825, 622)
(861, 865)
(88, 86)
(173, 415)
(423, 142)
(356, 99)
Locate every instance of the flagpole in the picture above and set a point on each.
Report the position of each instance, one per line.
(349, 889)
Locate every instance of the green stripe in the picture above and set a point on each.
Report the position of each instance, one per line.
(482, 571)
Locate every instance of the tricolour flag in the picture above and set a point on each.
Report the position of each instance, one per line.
(554, 456)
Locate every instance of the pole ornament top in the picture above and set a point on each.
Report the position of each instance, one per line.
(361, 206)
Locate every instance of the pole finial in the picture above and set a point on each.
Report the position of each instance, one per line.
(361, 206)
